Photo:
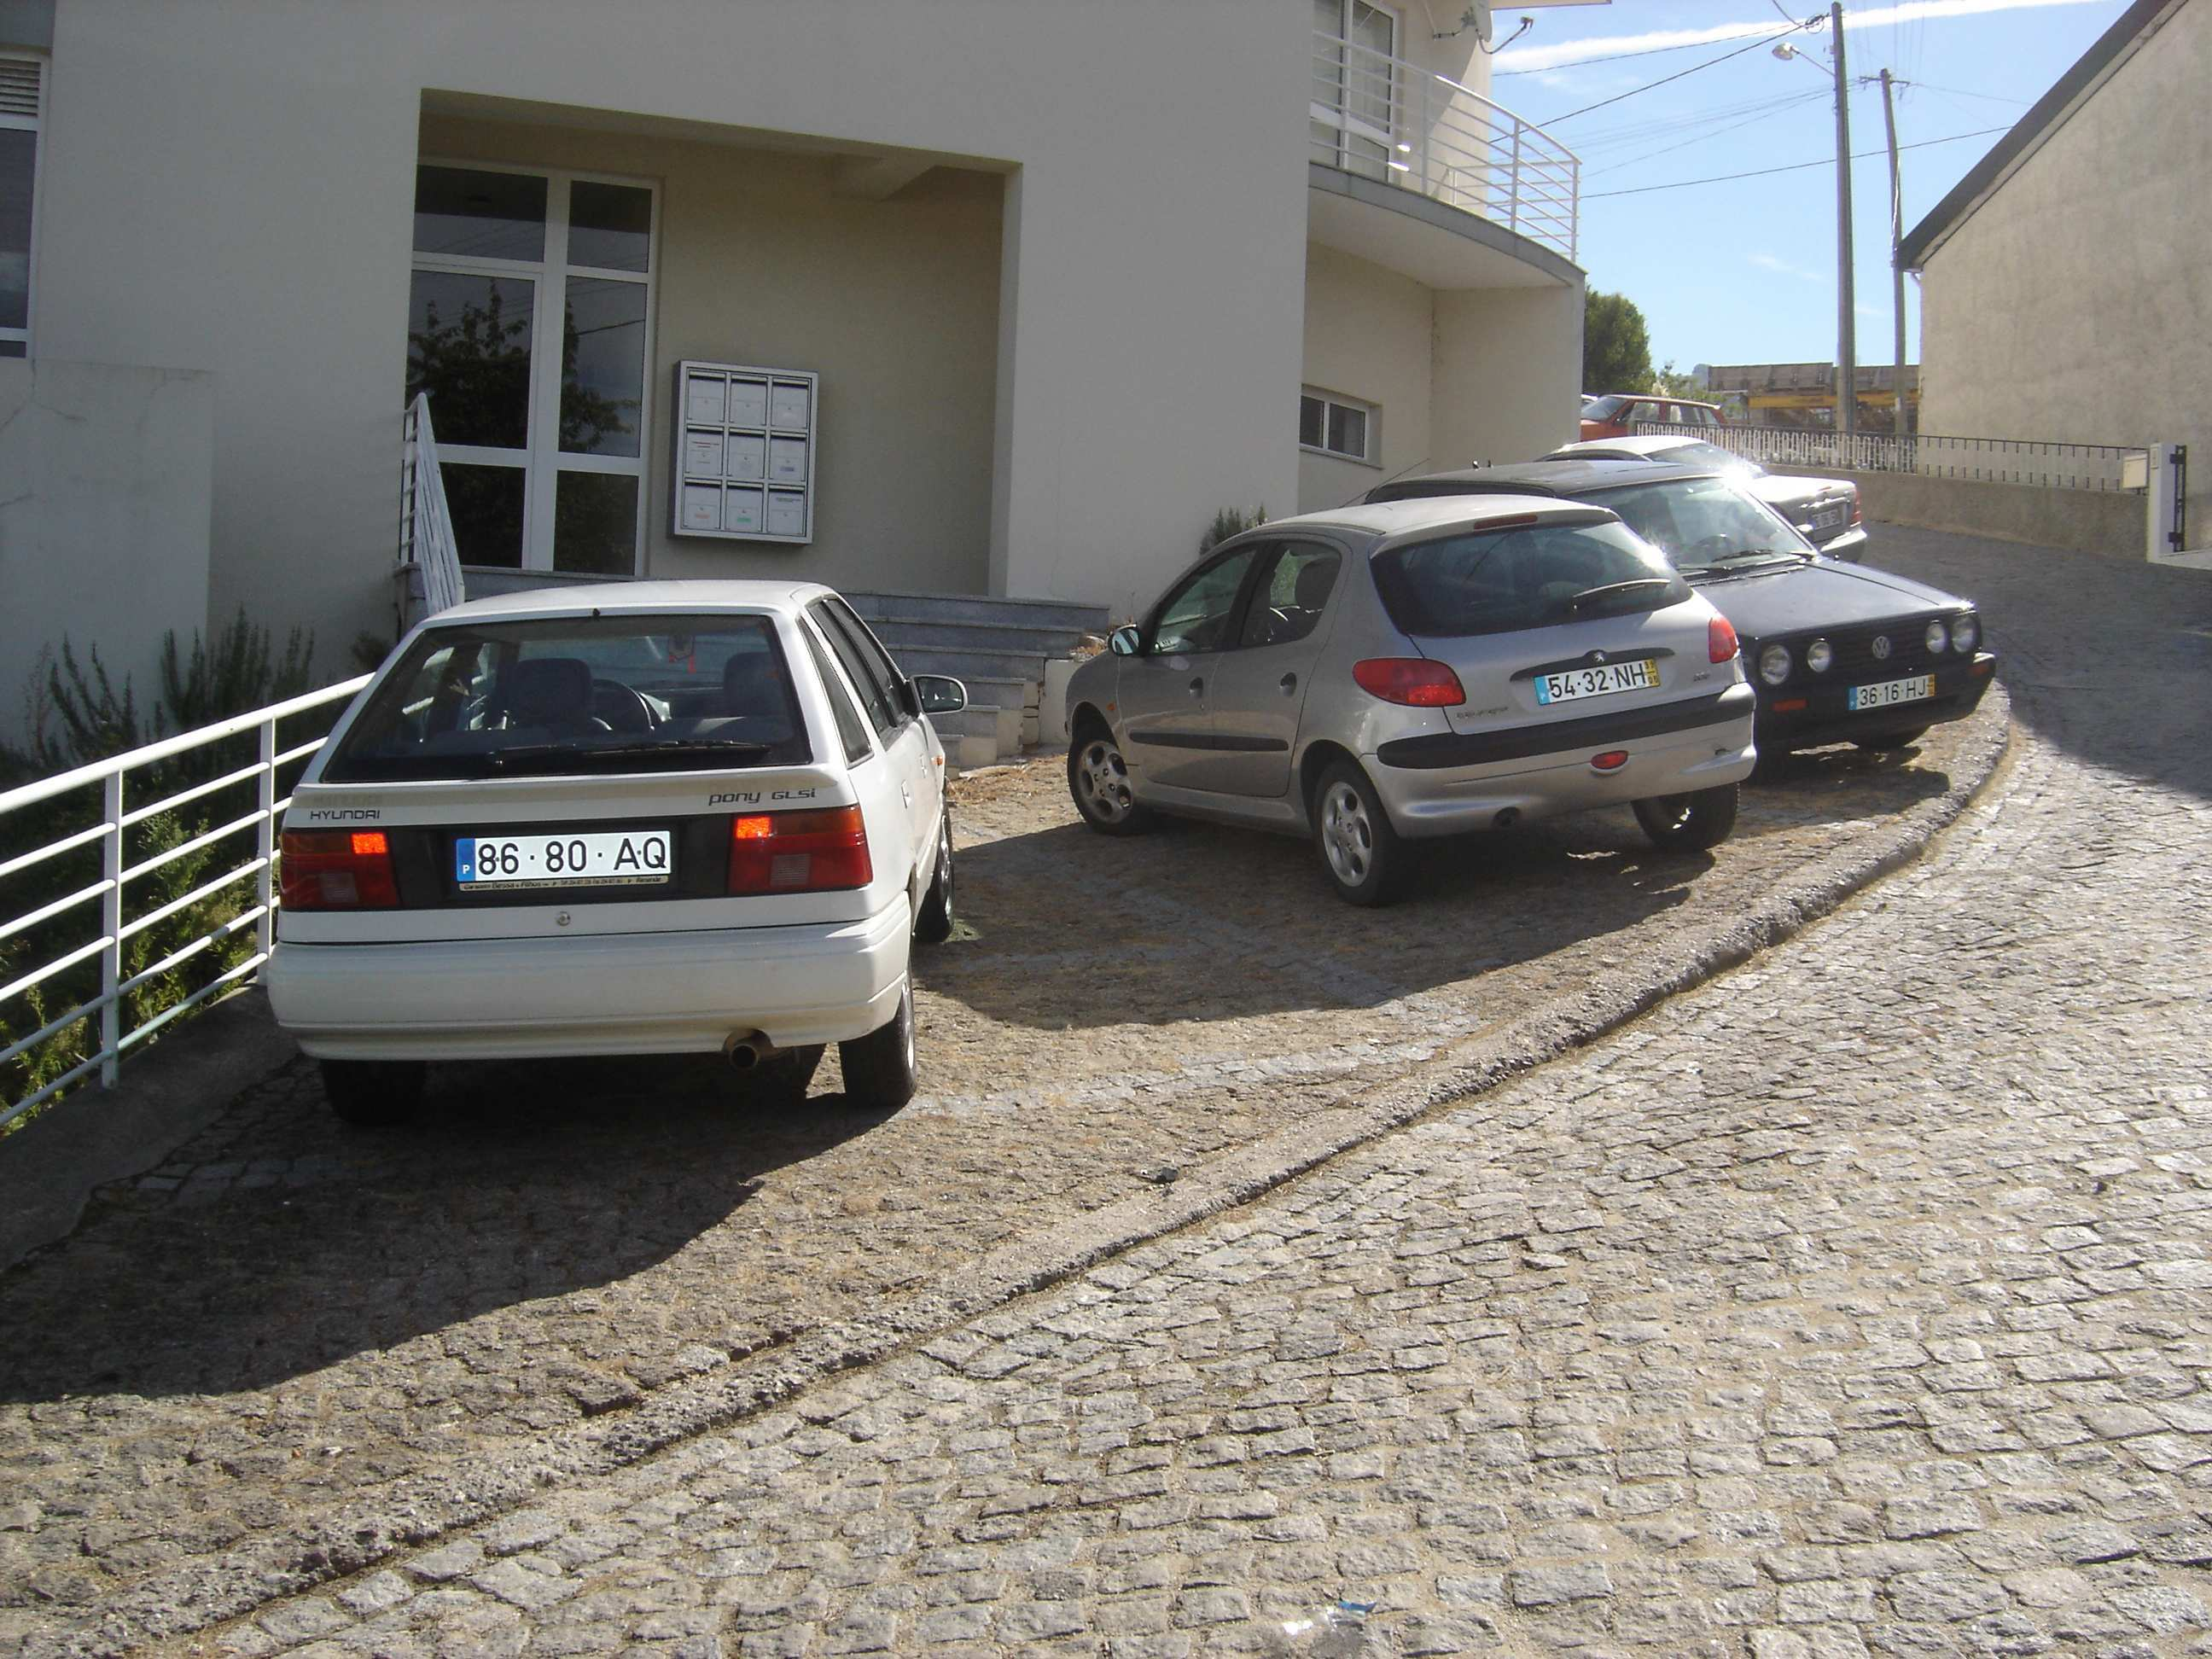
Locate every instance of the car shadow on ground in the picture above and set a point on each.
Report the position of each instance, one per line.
(314, 1241)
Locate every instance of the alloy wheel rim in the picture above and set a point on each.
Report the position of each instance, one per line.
(1105, 782)
(1348, 838)
(1675, 810)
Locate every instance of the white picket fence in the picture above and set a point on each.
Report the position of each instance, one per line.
(109, 918)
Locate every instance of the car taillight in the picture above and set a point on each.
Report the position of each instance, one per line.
(337, 870)
(1721, 642)
(1417, 682)
(1855, 509)
(819, 851)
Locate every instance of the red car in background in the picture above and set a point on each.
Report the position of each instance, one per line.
(1616, 416)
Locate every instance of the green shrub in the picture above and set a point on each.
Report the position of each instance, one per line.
(1230, 521)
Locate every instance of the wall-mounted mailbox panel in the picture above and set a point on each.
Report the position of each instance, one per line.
(744, 461)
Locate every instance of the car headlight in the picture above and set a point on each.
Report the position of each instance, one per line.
(1938, 637)
(1820, 656)
(1774, 663)
(1965, 630)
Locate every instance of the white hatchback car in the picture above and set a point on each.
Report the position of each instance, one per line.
(662, 817)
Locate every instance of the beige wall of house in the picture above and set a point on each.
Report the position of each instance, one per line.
(1509, 364)
(893, 303)
(103, 531)
(1367, 341)
(1148, 310)
(2075, 304)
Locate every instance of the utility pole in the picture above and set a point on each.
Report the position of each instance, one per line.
(1847, 368)
(1896, 243)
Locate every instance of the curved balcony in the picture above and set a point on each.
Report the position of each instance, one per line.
(1391, 121)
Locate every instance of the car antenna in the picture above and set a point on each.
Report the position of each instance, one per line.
(1351, 500)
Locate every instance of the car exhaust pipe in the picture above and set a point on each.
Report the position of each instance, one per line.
(746, 1049)
(1506, 818)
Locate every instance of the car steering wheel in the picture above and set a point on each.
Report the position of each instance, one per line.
(623, 707)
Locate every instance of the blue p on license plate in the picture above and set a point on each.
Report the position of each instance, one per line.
(627, 858)
(1890, 693)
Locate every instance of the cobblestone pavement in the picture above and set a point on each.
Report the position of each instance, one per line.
(1856, 1303)
(289, 1315)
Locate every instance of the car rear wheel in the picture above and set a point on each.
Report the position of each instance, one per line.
(933, 923)
(1889, 740)
(1098, 778)
(880, 1072)
(1358, 848)
(373, 1093)
(1691, 822)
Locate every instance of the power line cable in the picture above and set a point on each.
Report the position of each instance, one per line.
(1961, 92)
(1610, 57)
(1642, 134)
(1797, 102)
(1795, 167)
(1763, 40)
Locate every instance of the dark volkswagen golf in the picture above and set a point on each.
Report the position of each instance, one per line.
(1837, 652)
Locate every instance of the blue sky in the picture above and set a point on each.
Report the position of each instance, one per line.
(1745, 271)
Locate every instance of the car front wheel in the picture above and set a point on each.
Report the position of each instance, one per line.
(1098, 779)
(879, 1068)
(1358, 848)
(1691, 822)
(373, 1093)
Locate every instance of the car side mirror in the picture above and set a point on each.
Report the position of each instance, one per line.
(1124, 640)
(940, 694)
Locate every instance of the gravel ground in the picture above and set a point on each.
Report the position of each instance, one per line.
(290, 1314)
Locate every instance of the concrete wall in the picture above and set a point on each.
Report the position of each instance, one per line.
(105, 477)
(2075, 305)
(1150, 310)
(894, 303)
(2083, 520)
(1508, 377)
(1367, 338)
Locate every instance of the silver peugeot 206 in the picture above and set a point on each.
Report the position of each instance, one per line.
(1418, 669)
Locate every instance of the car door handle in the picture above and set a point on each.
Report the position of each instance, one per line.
(1289, 683)
(1198, 686)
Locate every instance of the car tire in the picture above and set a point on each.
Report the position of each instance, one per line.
(1889, 740)
(880, 1072)
(932, 922)
(1360, 852)
(1689, 823)
(1098, 779)
(783, 1079)
(373, 1094)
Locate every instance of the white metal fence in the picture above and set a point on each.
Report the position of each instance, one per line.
(1992, 460)
(1378, 115)
(92, 812)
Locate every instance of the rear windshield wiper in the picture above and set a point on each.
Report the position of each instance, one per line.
(673, 749)
(1590, 596)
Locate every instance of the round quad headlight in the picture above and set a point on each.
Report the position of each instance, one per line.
(1774, 663)
(1965, 630)
(1820, 656)
(1938, 637)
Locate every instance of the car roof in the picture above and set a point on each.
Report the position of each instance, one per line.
(784, 598)
(1572, 478)
(1642, 443)
(1389, 520)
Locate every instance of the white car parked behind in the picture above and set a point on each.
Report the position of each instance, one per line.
(660, 818)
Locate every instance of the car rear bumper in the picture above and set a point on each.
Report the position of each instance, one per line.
(1825, 719)
(1449, 784)
(623, 993)
(1848, 543)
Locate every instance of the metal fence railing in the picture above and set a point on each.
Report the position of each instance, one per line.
(1379, 115)
(126, 930)
(1991, 460)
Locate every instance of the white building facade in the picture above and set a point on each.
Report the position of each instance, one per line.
(1057, 280)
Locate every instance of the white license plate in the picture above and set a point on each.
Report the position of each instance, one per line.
(1890, 693)
(1603, 681)
(631, 858)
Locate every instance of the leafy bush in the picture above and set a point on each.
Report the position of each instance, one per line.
(1230, 521)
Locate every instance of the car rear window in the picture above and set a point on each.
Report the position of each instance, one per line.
(1601, 408)
(1701, 522)
(579, 695)
(1495, 580)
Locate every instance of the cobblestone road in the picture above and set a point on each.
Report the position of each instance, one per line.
(1856, 1303)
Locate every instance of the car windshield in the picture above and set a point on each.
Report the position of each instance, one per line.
(1706, 526)
(1533, 575)
(579, 695)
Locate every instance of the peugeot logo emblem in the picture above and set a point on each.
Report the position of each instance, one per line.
(1882, 647)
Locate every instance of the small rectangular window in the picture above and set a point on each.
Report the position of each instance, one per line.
(22, 103)
(1336, 426)
(854, 735)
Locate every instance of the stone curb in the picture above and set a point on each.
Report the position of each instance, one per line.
(419, 1509)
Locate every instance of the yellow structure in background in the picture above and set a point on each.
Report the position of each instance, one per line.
(1804, 394)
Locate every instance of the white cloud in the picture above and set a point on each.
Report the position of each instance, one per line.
(1783, 268)
(1525, 58)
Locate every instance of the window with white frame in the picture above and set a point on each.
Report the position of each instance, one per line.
(529, 326)
(23, 85)
(1355, 98)
(1337, 426)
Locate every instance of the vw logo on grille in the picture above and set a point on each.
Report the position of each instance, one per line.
(1882, 647)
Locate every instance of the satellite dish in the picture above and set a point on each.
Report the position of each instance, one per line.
(1478, 19)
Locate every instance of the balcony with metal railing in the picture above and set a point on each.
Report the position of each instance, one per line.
(1383, 118)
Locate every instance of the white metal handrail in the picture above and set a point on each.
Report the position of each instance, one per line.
(1393, 121)
(113, 930)
(2100, 467)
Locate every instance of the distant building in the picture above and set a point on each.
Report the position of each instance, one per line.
(1804, 394)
